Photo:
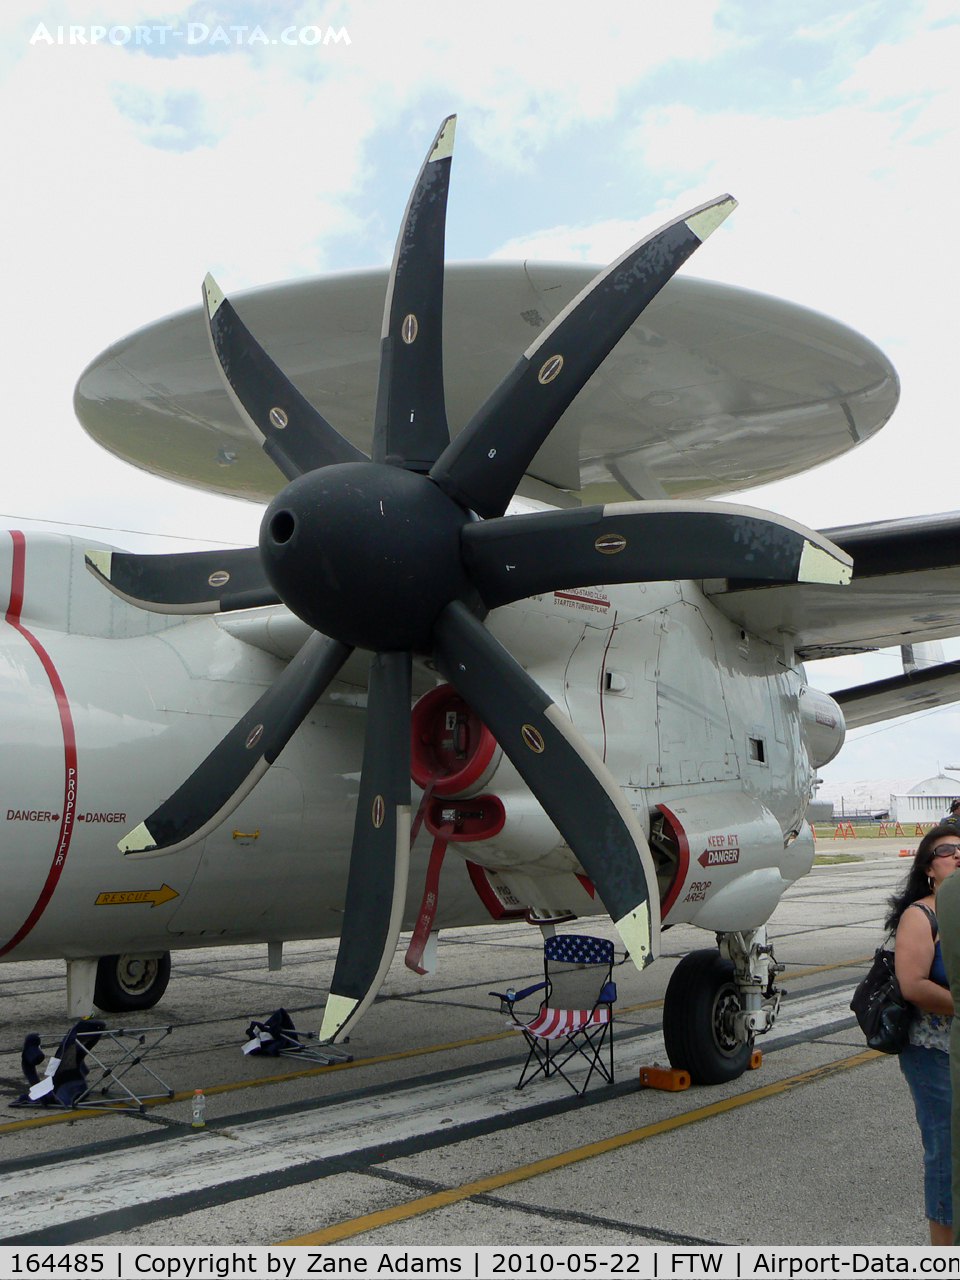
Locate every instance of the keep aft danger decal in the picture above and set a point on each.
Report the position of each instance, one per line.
(721, 851)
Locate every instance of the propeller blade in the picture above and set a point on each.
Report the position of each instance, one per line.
(484, 464)
(410, 424)
(577, 791)
(379, 859)
(237, 763)
(291, 431)
(185, 582)
(513, 557)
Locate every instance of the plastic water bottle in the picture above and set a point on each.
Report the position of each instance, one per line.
(199, 1107)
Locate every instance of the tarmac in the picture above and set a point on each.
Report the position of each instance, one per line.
(423, 1139)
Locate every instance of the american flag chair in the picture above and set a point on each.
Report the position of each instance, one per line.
(575, 1018)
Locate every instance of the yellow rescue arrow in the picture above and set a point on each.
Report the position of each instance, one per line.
(122, 897)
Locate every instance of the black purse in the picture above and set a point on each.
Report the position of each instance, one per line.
(882, 1012)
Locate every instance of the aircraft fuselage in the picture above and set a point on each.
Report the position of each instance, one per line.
(105, 708)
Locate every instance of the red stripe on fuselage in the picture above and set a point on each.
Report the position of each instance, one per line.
(69, 742)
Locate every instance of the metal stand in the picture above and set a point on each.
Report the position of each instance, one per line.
(293, 1045)
(92, 1069)
(277, 1037)
(132, 1047)
(325, 1052)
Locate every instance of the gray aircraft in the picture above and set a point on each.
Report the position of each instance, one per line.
(495, 613)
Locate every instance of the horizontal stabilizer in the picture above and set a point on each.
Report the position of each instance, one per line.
(919, 690)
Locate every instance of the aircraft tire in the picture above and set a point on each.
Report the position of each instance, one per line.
(700, 993)
(129, 982)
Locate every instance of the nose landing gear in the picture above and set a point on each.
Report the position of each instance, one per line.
(716, 1002)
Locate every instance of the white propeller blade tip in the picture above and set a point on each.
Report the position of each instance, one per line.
(443, 146)
(634, 930)
(705, 220)
(99, 562)
(336, 1012)
(139, 840)
(212, 296)
(818, 565)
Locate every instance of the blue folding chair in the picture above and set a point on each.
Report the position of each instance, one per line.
(575, 1018)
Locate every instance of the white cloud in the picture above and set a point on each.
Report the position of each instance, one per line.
(846, 210)
(521, 73)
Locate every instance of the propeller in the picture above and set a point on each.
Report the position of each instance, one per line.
(239, 761)
(185, 582)
(405, 552)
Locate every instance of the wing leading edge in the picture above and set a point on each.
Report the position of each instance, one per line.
(905, 590)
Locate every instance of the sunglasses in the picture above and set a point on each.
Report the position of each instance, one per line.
(946, 851)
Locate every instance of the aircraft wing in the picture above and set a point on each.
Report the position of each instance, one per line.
(905, 590)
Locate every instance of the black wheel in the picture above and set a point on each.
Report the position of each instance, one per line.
(698, 1029)
(127, 983)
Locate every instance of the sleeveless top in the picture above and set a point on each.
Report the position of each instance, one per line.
(932, 1030)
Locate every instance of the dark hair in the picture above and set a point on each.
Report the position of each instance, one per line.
(955, 805)
(916, 885)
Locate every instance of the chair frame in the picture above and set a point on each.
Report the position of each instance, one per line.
(549, 1054)
(112, 1053)
(285, 1041)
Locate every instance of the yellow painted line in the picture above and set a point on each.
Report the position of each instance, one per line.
(87, 1113)
(58, 1117)
(440, 1199)
(822, 968)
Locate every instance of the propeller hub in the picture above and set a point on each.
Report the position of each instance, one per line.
(366, 553)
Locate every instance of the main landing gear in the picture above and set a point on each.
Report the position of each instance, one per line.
(128, 983)
(716, 1002)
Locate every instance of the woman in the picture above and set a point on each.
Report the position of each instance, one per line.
(926, 1060)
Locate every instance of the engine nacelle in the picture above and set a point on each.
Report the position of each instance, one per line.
(723, 862)
(822, 724)
(450, 745)
(517, 859)
(480, 818)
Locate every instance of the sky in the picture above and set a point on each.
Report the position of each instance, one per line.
(277, 139)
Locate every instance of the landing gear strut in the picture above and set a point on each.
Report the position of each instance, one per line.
(716, 1002)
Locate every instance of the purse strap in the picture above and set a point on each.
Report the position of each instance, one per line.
(931, 918)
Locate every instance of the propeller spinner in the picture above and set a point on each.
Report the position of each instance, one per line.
(405, 552)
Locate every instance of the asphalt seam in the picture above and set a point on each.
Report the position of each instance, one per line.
(544, 1211)
(367, 1222)
(113, 1221)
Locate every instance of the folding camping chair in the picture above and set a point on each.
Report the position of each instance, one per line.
(575, 1018)
(91, 1067)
